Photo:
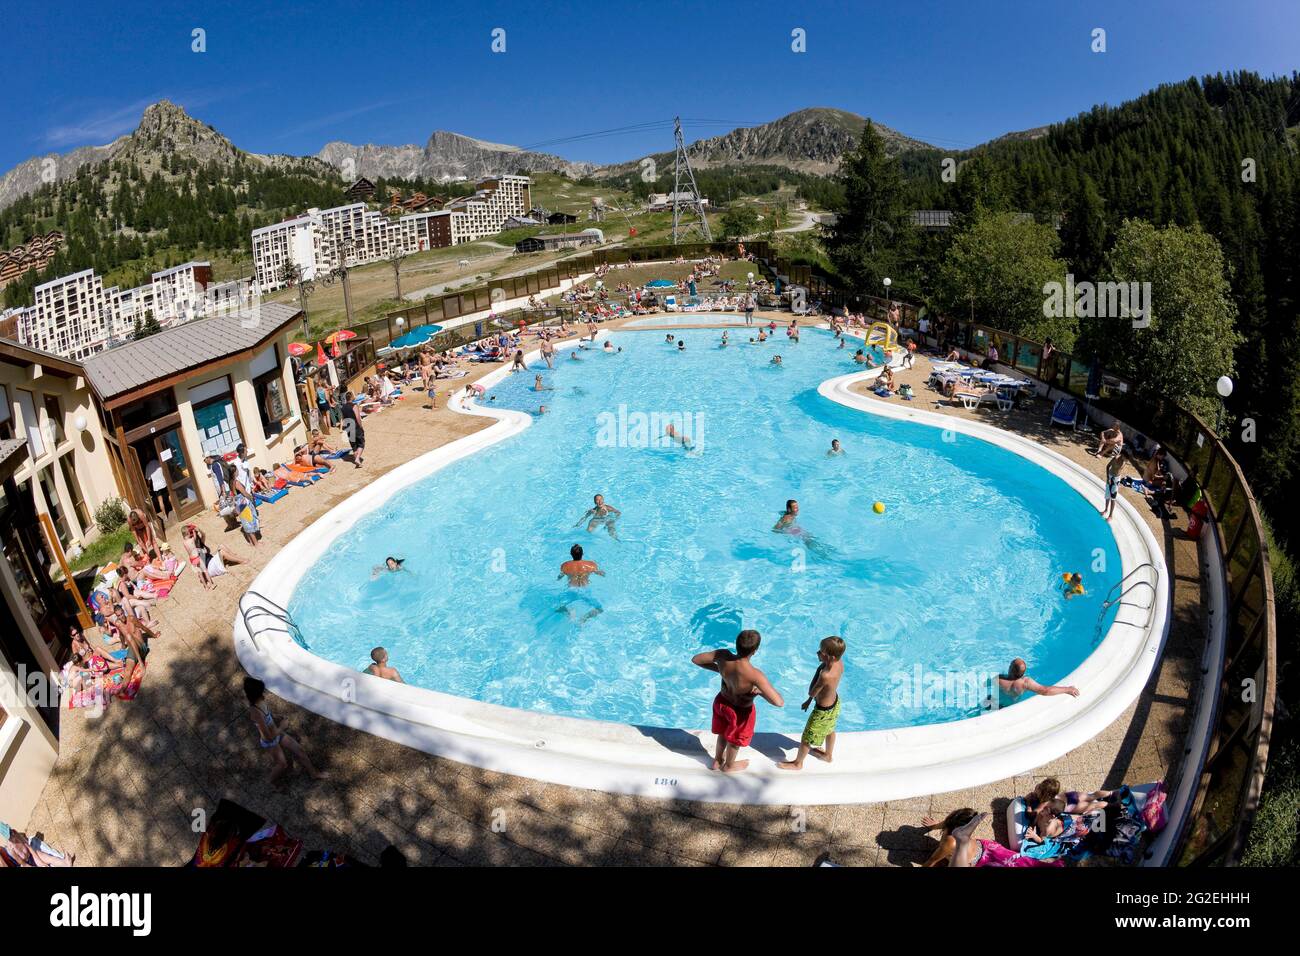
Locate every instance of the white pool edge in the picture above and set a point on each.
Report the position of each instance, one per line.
(870, 766)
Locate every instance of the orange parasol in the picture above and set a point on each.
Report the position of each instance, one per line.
(299, 349)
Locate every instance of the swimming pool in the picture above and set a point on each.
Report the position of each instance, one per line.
(959, 575)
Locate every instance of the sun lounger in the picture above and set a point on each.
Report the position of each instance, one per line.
(1065, 412)
(972, 400)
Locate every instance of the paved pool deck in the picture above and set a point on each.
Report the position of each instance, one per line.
(129, 784)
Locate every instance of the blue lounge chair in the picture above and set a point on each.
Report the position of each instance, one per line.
(1065, 412)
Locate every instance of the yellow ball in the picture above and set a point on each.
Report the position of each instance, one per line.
(878, 507)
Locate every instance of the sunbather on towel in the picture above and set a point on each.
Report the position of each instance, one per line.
(959, 848)
(17, 851)
(303, 455)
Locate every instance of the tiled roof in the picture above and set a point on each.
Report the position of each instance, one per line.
(183, 347)
(15, 449)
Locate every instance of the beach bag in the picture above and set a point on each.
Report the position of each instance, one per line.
(1153, 811)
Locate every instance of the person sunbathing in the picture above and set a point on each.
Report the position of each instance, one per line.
(303, 455)
(1112, 443)
(293, 475)
(17, 851)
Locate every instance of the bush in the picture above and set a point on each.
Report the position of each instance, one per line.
(110, 515)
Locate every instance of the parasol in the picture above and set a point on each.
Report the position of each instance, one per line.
(334, 338)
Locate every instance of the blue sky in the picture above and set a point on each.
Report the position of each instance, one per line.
(289, 77)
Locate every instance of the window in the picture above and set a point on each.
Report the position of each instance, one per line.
(75, 492)
(268, 385)
(55, 507)
(214, 416)
(6, 415)
(54, 412)
(158, 405)
(31, 424)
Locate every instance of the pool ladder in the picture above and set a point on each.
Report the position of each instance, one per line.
(1117, 600)
(279, 619)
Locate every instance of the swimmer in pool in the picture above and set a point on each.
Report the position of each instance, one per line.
(672, 434)
(681, 345)
(538, 386)
(1073, 584)
(601, 513)
(574, 357)
(541, 409)
(725, 342)
(785, 524)
(1016, 682)
(836, 448)
(860, 357)
(762, 334)
(776, 360)
(379, 666)
(609, 346)
(669, 339)
(390, 564)
(579, 571)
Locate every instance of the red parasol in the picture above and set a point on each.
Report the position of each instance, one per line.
(299, 349)
(334, 338)
(320, 355)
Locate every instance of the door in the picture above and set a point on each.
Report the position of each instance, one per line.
(168, 478)
(177, 474)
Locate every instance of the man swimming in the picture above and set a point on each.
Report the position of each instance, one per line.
(380, 668)
(673, 435)
(734, 715)
(601, 513)
(538, 386)
(681, 345)
(579, 572)
(836, 449)
(776, 360)
(574, 357)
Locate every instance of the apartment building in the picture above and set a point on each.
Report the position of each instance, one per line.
(292, 242)
(34, 254)
(321, 240)
(76, 316)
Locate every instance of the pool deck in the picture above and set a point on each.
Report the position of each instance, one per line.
(128, 784)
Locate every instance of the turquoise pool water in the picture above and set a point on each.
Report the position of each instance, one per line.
(960, 574)
(689, 318)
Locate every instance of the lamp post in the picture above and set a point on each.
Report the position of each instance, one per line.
(889, 303)
(1224, 387)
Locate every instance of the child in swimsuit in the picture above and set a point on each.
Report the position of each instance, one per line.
(824, 689)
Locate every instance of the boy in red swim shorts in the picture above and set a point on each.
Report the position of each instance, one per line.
(734, 715)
